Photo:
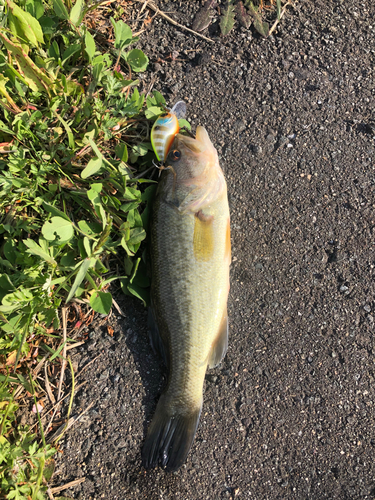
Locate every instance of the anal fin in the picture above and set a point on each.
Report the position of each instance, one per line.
(220, 344)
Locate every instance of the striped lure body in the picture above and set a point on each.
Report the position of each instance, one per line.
(165, 129)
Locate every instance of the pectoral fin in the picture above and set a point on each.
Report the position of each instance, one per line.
(228, 253)
(203, 237)
(220, 344)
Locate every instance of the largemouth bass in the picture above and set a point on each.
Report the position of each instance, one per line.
(190, 257)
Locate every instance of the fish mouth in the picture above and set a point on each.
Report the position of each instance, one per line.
(201, 142)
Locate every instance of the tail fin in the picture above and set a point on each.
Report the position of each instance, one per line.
(169, 437)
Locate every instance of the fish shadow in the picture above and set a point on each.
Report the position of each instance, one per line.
(150, 366)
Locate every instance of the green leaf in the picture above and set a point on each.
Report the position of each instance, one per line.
(67, 128)
(227, 19)
(35, 249)
(93, 167)
(30, 26)
(159, 99)
(57, 352)
(95, 148)
(123, 34)
(126, 207)
(93, 194)
(121, 151)
(153, 112)
(84, 267)
(6, 286)
(262, 28)
(76, 14)
(131, 289)
(137, 235)
(138, 60)
(3, 90)
(184, 123)
(53, 210)
(48, 25)
(49, 469)
(60, 9)
(72, 49)
(132, 194)
(57, 226)
(243, 17)
(278, 6)
(87, 246)
(54, 50)
(10, 252)
(37, 78)
(142, 148)
(35, 8)
(101, 302)
(90, 228)
(135, 269)
(90, 45)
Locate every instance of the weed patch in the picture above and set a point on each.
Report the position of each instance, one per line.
(74, 143)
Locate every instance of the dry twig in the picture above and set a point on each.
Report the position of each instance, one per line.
(67, 425)
(67, 485)
(48, 387)
(118, 308)
(63, 366)
(156, 9)
(88, 364)
(272, 29)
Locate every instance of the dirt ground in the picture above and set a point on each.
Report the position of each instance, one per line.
(289, 414)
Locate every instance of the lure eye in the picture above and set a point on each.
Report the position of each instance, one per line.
(157, 127)
(175, 155)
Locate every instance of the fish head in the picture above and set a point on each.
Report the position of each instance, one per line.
(197, 176)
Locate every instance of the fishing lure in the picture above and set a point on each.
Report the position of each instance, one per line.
(165, 129)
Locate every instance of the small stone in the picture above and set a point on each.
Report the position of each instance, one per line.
(239, 126)
(257, 150)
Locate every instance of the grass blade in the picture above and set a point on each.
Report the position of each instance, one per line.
(227, 19)
(278, 6)
(79, 278)
(67, 128)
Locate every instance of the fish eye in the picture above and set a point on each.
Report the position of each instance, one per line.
(175, 155)
(157, 127)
